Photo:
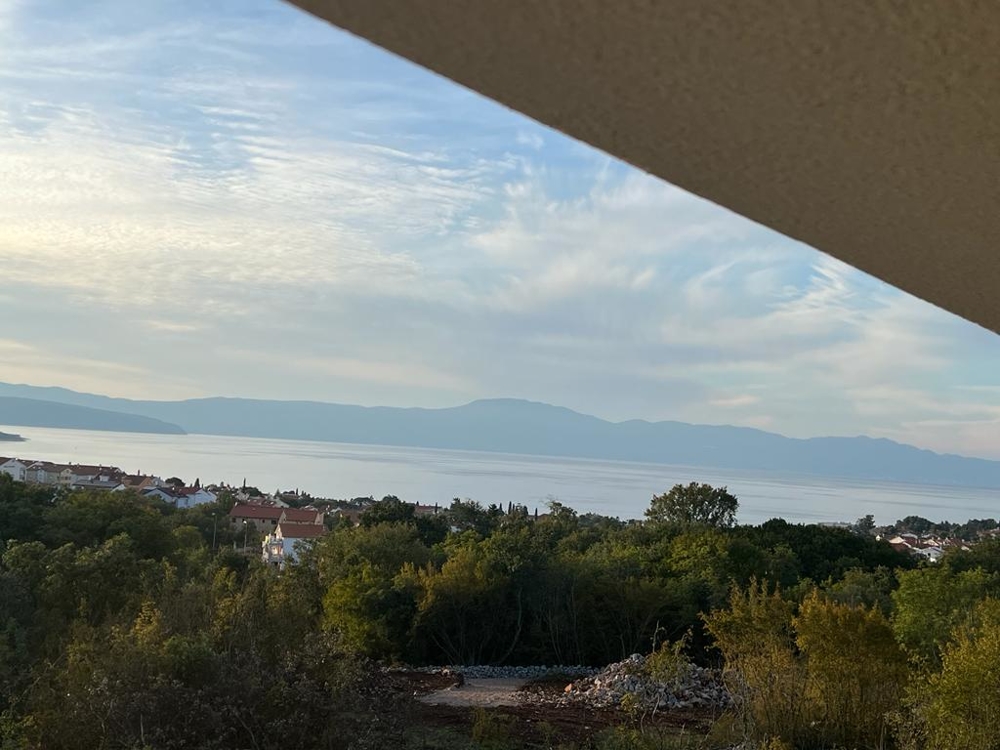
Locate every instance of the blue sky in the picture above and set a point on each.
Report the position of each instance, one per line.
(233, 198)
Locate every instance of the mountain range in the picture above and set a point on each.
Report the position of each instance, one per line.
(501, 425)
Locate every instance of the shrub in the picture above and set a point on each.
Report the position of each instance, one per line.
(828, 677)
(763, 672)
(856, 672)
(958, 708)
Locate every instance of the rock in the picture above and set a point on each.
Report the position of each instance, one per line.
(693, 687)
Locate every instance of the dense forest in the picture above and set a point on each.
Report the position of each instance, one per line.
(128, 623)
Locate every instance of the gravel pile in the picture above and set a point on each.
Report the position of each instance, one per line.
(692, 686)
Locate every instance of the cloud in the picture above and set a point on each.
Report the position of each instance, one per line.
(217, 189)
(531, 139)
(730, 402)
(24, 363)
(392, 373)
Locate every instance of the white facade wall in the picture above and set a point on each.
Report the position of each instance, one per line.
(15, 469)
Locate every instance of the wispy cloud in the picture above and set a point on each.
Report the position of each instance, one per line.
(188, 190)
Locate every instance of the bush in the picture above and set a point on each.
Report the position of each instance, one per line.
(856, 672)
(829, 676)
(958, 708)
(762, 670)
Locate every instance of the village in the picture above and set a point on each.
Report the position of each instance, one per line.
(284, 521)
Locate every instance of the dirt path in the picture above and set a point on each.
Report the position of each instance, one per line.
(488, 693)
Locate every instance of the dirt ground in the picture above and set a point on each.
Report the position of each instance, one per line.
(486, 693)
(443, 704)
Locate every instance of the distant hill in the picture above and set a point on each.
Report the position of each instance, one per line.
(514, 426)
(37, 413)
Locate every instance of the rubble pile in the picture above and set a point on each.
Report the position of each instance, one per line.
(689, 687)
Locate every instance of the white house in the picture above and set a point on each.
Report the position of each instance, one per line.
(182, 497)
(14, 468)
(43, 472)
(81, 475)
(932, 554)
(191, 496)
(284, 543)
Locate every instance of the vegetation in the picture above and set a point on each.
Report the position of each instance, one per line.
(128, 623)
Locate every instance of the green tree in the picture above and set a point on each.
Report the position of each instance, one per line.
(958, 708)
(694, 504)
(390, 509)
(931, 601)
(856, 671)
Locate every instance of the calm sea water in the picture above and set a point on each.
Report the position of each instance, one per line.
(614, 488)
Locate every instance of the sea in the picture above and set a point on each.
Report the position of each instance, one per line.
(429, 476)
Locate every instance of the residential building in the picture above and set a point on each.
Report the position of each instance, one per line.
(302, 515)
(284, 544)
(141, 482)
(108, 485)
(15, 468)
(43, 472)
(264, 518)
(77, 475)
(182, 497)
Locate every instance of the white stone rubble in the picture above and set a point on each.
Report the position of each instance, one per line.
(690, 687)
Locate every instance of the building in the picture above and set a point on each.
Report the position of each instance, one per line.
(141, 482)
(43, 472)
(15, 468)
(284, 544)
(182, 497)
(302, 515)
(265, 518)
(80, 475)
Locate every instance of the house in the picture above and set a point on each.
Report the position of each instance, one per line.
(188, 497)
(15, 468)
(43, 472)
(182, 497)
(931, 554)
(141, 482)
(108, 485)
(351, 515)
(302, 515)
(79, 475)
(264, 518)
(287, 540)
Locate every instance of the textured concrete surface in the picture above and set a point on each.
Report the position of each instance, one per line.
(869, 129)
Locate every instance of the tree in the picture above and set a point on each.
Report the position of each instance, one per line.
(694, 504)
(390, 509)
(931, 602)
(865, 524)
(958, 708)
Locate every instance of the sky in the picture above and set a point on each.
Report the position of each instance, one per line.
(233, 198)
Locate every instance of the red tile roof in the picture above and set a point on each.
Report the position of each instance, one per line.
(297, 515)
(301, 530)
(256, 511)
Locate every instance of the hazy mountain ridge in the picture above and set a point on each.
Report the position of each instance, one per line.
(30, 412)
(516, 426)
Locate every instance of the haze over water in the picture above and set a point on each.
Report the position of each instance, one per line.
(615, 488)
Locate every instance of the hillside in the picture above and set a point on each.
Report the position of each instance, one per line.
(514, 426)
(37, 413)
